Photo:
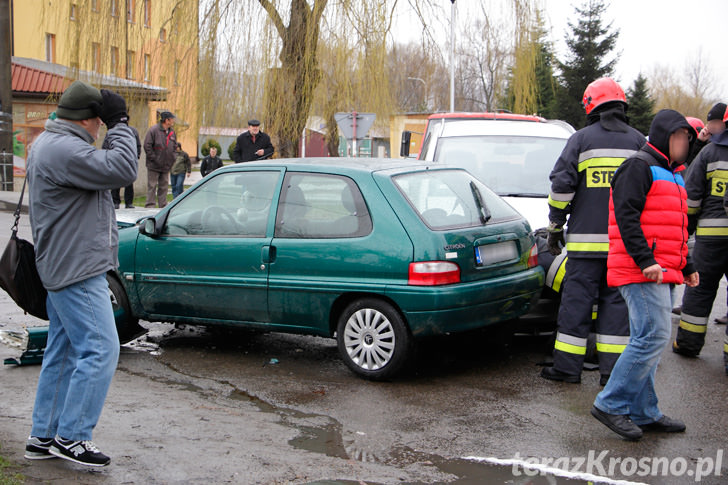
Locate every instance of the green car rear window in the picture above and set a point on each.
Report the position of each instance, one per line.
(448, 199)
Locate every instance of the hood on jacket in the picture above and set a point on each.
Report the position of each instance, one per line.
(665, 123)
(612, 116)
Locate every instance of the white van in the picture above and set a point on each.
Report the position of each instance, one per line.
(512, 154)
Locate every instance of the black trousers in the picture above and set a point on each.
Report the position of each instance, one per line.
(585, 285)
(128, 195)
(710, 257)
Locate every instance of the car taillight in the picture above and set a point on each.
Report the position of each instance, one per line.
(533, 257)
(433, 273)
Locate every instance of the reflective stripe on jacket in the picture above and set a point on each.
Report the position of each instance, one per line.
(580, 186)
(706, 184)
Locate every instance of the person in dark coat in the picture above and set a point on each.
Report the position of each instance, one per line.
(210, 163)
(129, 189)
(160, 146)
(252, 144)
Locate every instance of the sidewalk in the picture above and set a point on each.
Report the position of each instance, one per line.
(9, 200)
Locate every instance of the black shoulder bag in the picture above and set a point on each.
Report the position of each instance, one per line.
(18, 273)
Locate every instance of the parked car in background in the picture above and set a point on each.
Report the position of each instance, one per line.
(513, 155)
(373, 252)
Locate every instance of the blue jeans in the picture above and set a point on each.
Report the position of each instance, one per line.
(631, 387)
(79, 361)
(177, 181)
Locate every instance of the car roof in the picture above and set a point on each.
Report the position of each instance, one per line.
(479, 127)
(486, 116)
(342, 165)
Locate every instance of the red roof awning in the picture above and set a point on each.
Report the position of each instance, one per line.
(28, 80)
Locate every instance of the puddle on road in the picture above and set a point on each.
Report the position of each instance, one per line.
(324, 435)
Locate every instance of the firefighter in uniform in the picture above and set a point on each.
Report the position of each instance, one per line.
(580, 184)
(706, 185)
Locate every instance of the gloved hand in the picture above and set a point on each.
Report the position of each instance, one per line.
(113, 110)
(556, 239)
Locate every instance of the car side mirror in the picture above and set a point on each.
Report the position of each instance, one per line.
(148, 227)
(404, 148)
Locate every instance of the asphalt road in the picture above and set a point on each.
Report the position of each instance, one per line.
(188, 406)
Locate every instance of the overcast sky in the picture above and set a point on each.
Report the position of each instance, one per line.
(658, 32)
(666, 32)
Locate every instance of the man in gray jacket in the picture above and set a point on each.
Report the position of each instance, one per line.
(160, 146)
(74, 230)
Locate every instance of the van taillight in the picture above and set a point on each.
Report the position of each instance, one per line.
(533, 257)
(433, 273)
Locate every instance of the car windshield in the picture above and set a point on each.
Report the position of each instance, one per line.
(509, 165)
(450, 199)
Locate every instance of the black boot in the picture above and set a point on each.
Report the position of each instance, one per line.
(555, 375)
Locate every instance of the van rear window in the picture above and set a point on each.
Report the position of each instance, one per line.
(451, 199)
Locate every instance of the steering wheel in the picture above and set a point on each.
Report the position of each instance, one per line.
(217, 220)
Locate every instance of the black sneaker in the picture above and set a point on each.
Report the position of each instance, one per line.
(38, 448)
(603, 379)
(129, 206)
(664, 425)
(555, 375)
(722, 320)
(619, 423)
(83, 452)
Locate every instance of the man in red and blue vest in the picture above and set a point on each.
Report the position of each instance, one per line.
(648, 255)
(580, 190)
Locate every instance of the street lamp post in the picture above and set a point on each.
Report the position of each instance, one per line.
(452, 56)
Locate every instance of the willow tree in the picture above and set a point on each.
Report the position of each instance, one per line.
(295, 59)
(523, 81)
(290, 86)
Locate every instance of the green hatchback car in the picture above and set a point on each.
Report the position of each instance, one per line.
(373, 252)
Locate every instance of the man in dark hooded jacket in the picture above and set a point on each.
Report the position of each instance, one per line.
(706, 187)
(648, 254)
(580, 190)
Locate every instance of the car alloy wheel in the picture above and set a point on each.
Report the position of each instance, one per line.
(369, 339)
(373, 339)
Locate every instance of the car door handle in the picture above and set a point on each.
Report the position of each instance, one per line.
(268, 254)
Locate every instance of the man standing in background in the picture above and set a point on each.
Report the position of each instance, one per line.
(160, 146)
(181, 167)
(252, 144)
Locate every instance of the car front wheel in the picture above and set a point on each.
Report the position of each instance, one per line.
(127, 325)
(373, 339)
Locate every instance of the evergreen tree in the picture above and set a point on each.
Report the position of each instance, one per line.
(589, 44)
(641, 105)
(545, 79)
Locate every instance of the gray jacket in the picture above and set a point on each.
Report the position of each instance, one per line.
(71, 212)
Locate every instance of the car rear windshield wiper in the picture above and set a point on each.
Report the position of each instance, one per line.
(485, 214)
(524, 194)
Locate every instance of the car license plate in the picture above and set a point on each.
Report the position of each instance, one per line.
(495, 253)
